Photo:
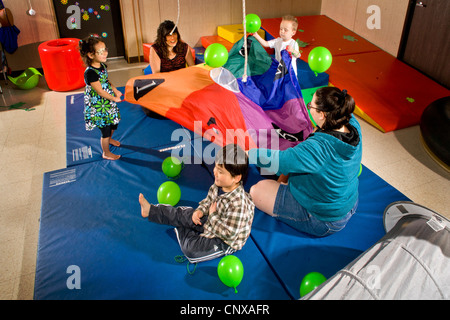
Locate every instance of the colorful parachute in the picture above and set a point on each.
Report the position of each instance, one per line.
(265, 111)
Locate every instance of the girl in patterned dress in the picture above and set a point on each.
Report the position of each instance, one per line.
(100, 97)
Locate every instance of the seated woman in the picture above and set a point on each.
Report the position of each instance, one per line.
(169, 52)
(321, 193)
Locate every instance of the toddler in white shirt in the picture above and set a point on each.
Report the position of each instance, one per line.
(288, 28)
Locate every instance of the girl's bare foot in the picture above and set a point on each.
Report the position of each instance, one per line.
(145, 206)
(113, 142)
(110, 156)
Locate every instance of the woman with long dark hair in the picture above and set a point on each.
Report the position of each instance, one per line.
(169, 52)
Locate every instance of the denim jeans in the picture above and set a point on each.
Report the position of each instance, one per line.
(288, 210)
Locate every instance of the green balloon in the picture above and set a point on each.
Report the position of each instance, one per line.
(320, 59)
(171, 167)
(310, 282)
(169, 193)
(360, 169)
(230, 271)
(252, 22)
(216, 55)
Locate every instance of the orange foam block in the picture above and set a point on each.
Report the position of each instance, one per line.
(389, 94)
(146, 49)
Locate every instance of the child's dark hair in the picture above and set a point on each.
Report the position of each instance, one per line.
(164, 29)
(338, 106)
(233, 159)
(87, 45)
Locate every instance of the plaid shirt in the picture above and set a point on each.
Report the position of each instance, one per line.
(232, 220)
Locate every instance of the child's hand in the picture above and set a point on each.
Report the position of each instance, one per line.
(292, 52)
(118, 97)
(196, 216)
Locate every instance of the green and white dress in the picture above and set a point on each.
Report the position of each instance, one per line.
(98, 111)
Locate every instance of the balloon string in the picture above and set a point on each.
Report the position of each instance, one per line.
(181, 259)
(178, 19)
(193, 270)
(244, 77)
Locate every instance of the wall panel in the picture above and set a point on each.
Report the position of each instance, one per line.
(353, 15)
(393, 15)
(33, 30)
(142, 17)
(342, 11)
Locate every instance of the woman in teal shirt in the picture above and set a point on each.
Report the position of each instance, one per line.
(317, 191)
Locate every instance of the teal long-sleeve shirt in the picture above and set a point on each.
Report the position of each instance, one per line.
(323, 172)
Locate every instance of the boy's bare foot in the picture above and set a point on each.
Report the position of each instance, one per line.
(145, 206)
(113, 142)
(110, 156)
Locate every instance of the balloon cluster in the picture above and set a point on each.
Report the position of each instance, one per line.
(169, 192)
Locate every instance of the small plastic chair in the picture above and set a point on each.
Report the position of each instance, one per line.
(27, 80)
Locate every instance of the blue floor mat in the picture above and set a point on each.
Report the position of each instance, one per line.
(135, 131)
(293, 254)
(91, 220)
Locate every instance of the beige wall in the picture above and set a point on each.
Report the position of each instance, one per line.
(199, 17)
(141, 19)
(353, 15)
(33, 31)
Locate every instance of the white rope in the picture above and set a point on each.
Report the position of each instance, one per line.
(244, 77)
(178, 19)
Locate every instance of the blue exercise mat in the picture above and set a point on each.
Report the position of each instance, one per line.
(91, 226)
(293, 254)
(135, 131)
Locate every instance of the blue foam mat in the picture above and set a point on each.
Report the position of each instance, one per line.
(293, 254)
(135, 131)
(91, 219)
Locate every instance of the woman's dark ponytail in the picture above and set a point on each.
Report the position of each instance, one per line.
(338, 107)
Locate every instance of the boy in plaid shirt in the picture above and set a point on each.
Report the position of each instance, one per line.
(222, 222)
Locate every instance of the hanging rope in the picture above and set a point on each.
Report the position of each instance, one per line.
(244, 77)
(178, 18)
